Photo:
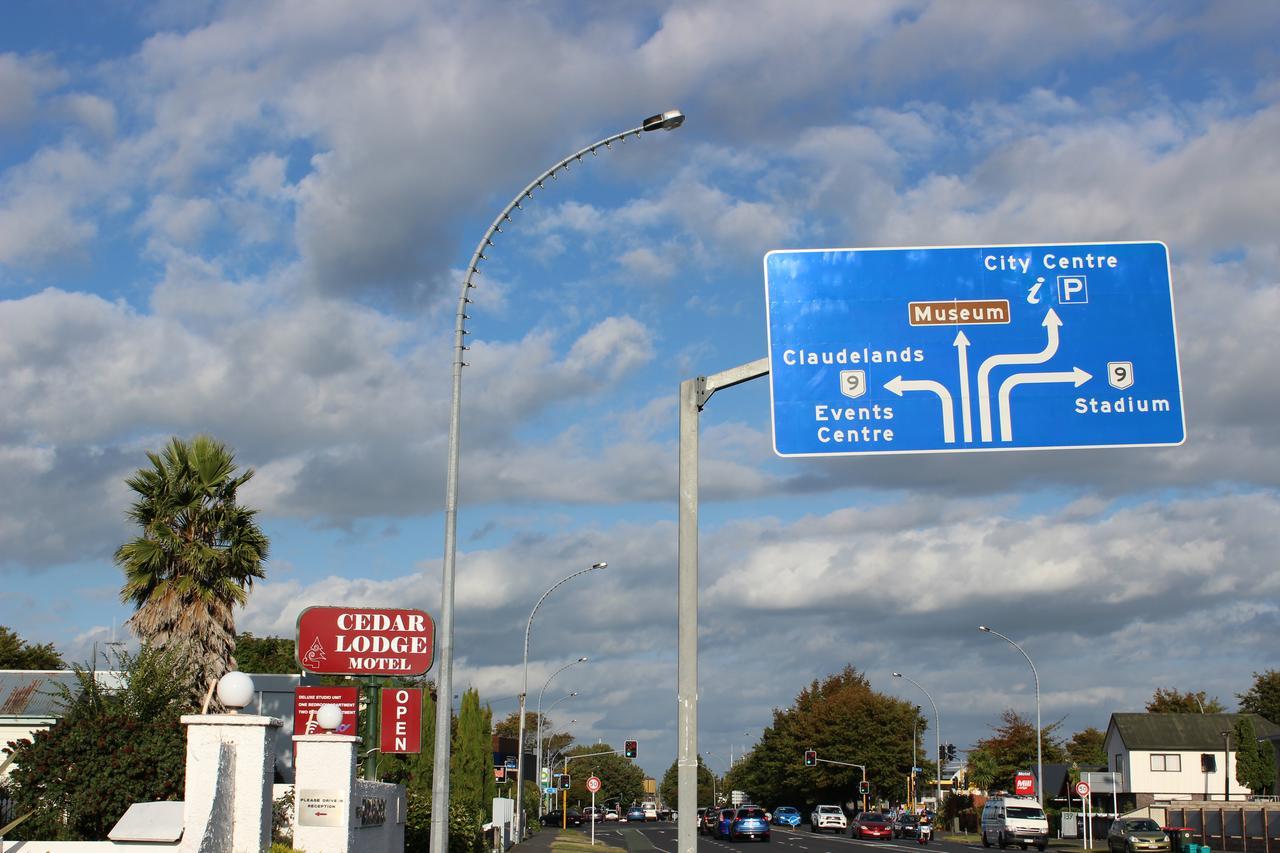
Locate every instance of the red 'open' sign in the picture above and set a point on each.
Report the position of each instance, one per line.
(401, 720)
(365, 641)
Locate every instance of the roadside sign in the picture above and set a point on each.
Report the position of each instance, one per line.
(1024, 784)
(1082, 789)
(401, 712)
(593, 784)
(964, 348)
(365, 641)
(308, 700)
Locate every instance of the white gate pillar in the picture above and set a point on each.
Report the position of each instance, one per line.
(231, 761)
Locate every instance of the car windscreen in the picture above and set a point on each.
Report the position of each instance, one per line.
(828, 810)
(1023, 813)
(750, 813)
(1144, 825)
(873, 818)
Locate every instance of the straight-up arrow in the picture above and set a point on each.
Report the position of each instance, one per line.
(961, 343)
(1051, 324)
(897, 385)
(1075, 375)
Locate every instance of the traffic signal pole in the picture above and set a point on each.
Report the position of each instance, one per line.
(694, 394)
(863, 787)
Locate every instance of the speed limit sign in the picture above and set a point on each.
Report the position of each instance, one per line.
(1082, 788)
(593, 784)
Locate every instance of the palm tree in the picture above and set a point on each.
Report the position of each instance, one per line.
(196, 558)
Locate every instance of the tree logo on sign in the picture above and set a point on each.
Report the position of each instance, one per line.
(314, 655)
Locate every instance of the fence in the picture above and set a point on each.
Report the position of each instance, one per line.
(1244, 828)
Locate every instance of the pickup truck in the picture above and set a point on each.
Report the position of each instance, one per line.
(827, 817)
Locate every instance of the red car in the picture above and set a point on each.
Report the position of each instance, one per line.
(871, 825)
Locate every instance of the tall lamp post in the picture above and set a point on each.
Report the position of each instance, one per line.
(524, 690)
(937, 731)
(1036, 676)
(538, 739)
(1226, 766)
(669, 120)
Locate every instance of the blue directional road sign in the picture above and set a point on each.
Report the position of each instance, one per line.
(962, 348)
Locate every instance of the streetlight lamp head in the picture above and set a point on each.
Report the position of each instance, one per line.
(600, 565)
(669, 120)
(582, 660)
(984, 628)
(574, 693)
(897, 675)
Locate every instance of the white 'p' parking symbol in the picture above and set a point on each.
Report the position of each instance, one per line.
(1073, 290)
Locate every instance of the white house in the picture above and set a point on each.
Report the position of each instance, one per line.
(1177, 756)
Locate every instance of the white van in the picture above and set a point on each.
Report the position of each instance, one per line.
(1014, 820)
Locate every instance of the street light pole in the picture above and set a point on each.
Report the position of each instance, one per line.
(539, 735)
(524, 690)
(937, 731)
(1036, 676)
(1226, 768)
(538, 745)
(668, 120)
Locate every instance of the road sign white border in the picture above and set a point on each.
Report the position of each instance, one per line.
(768, 328)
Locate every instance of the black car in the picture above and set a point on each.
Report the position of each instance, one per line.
(557, 818)
(906, 826)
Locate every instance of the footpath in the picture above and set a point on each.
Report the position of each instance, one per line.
(555, 840)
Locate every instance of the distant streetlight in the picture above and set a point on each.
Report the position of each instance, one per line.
(524, 690)
(1036, 676)
(539, 714)
(937, 731)
(669, 120)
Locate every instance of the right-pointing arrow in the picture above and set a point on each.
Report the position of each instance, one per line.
(1051, 325)
(1075, 376)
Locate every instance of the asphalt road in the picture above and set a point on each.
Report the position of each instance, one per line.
(661, 838)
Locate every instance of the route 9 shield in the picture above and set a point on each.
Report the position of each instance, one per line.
(972, 348)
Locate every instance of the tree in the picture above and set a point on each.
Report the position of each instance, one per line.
(1173, 701)
(422, 765)
(111, 748)
(1013, 746)
(196, 558)
(472, 757)
(844, 720)
(1263, 698)
(1088, 747)
(668, 788)
(16, 653)
(1251, 772)
(982, 769)
(265, 655)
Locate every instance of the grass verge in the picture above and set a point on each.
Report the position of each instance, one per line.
(576, 841)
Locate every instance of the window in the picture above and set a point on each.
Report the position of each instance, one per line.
(1166, 762)
(1119, 763)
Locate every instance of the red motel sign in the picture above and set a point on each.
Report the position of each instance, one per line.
(307, 702)
(365, 641)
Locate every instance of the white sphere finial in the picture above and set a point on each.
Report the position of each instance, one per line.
(235, 690)
(329, 717)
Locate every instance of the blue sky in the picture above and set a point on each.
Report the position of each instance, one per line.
(251, 220)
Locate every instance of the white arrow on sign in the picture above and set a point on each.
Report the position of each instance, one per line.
(1051, 324)
(897, 385)
(961, 343)
(1075, 375)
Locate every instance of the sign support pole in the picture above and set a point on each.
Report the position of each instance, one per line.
(371, 729)
(694, 394)
(593, 817)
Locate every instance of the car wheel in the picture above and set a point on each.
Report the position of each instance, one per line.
(1000, 841)
(986, 842)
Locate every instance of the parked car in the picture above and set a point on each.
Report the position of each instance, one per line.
(906, 825)
(827, 817)
(750, 822)
(1014, 820)
(786, 816)
(1130, 835)
(872, 825)
(635, 814)
(724, 821)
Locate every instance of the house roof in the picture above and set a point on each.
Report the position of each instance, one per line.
(37, 694)
(1183, 731)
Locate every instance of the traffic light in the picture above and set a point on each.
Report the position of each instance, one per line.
(951, 752)
(864, 787)
(629, 749)
(564, 781)
(810, 758)
(942, 753)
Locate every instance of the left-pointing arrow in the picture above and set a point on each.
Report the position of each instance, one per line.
(1076, 376)
(897, 385)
